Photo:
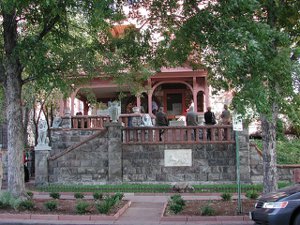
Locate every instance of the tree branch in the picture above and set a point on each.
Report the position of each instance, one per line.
(48, 26)
(2, 73)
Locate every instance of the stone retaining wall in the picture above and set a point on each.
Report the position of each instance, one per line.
(285, 172)
(86, 164)
(105, 159)
(210, 163)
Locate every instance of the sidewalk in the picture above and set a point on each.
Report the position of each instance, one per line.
(145, 208)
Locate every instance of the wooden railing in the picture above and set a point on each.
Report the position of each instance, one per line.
(158, 135)
(88, 122)
(97, 122)
(178, 135)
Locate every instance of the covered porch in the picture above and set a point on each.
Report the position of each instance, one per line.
(174, 89)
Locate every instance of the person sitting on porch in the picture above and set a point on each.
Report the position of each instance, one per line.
(192, 120)
(225, 116)
(128, 111)
(161, 120)
(210, 119)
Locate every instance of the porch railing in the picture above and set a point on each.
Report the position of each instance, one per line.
(177, 135)
(97, 122)
(158, 135)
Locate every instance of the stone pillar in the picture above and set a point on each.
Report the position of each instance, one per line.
(296, 176)
(115, 174)
(244, 149)
(66, 122)
(41, 165)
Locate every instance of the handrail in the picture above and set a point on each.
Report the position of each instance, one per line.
(71, 148)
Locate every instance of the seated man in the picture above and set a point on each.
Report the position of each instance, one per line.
(192, 120)
(210, 119)
(161, 120)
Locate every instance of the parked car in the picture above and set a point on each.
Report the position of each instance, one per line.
(278, 208)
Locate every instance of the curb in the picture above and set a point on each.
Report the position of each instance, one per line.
(52, 217)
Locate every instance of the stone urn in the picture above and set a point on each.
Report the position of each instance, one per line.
(114, 111)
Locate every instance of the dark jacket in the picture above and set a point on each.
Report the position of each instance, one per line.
(209, 118)
(161, 119)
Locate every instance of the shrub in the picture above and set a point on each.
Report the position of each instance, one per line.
(30, 194)
(9, 201)
(97, 196)
(118, 196)
(78, 195)
(226, 196)
(176, 203)
(82, 207)
(175, 208)
(103, 207)
(207, 210)
(177, 199)
(4, 200)
(109, 202)
(252, 194)
(26, 205)
(54, 195)
(51, 205)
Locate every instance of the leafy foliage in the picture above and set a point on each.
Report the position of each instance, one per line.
(108, 202)
(252, 194)
(246, 48)
(207, 210)
(176, 203)
(226, 196)
(287, 151)
(30, 194)
(51, 205)
(78, 195)
(55, 195)
(26, 205)
(82, 207)
(97, 196)
(7, 200)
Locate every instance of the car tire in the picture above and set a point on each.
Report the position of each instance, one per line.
(297, 219)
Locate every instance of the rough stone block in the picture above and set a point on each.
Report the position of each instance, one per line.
(296, 175)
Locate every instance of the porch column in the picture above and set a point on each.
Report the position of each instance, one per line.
(114, 138)
(72, 103)
(138, 101)
(206, 102)
(62, 104)
(195, 91)
(85, 108)
(150, 93)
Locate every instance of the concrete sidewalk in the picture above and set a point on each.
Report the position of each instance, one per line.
(146, 208)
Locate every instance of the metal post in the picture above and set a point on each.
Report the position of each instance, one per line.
(239, 207)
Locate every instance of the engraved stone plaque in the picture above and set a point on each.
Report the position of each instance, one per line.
(178, 157)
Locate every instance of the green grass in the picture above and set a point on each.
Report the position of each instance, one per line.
(288, 152)
(107, 188)
(150, 188)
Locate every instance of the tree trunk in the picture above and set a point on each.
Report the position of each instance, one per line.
(26, 116)
(12, 87)
(270, 178)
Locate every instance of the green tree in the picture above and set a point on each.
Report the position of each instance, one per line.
(47, 42)
(248, 46)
